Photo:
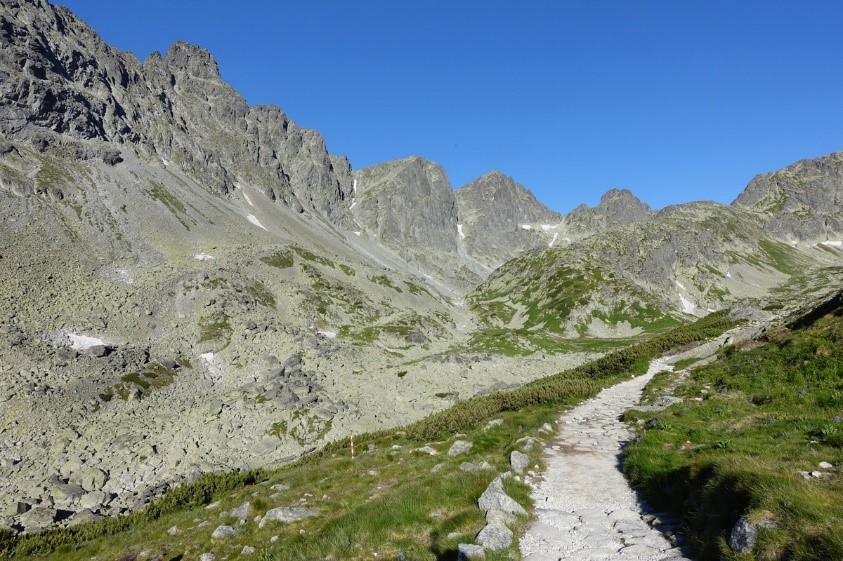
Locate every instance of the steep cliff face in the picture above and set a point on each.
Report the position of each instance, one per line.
(802, 202)
(408, 206)
(499, 219)
(59, 82)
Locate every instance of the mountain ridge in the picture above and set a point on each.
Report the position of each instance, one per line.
(192, 284)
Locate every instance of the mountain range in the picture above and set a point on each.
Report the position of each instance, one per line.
(191, 284)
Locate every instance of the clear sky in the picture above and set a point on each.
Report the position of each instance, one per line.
(675, 100)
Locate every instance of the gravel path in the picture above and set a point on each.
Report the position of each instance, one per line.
(584, 506)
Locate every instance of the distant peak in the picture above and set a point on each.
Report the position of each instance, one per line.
(193, 59)
(618, 194)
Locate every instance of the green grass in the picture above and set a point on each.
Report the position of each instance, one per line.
(384, 280)
(260, 293)
(159, 193)
(386, 503)
(749, 424)
(312, 257)
(280, 259)
(217, 326)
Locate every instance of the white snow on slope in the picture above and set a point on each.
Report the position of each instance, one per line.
(82, 342)
(460, 232)
(548, 227)
(835, 243)
(679, 284)
(687, 306)
(248, 200)
(553, 241)
(211, 364)
(526, 227)
(254, 220)
(203, 257)
(353, 202)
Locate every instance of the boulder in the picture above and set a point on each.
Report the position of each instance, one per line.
(459, 447)
(495, 498)
(745, 532)
(495, 537)
(286, 515)
(223, 532)
(38, 518)
(467, 551)
(519, 461)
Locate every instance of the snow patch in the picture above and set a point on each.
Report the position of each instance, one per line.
(548, 227)
(203, 256)
(687, 306)
(353, 202)
(254, 220)
(328, 334)
(81, 342)
(354, 186)
(728, 275)
(460, 232)
(248, 200)
(165, 162)
(357, 233)
(526, 227)
(211, 364)
(834, 243)
(679, 284)
(555, 235)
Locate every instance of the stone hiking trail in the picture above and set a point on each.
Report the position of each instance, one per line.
(585, 508)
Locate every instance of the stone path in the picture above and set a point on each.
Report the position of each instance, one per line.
(584, 506)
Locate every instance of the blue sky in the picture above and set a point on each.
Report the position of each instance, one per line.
(675, 100)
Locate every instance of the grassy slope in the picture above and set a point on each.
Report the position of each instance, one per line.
(749, 424)
(386, 501)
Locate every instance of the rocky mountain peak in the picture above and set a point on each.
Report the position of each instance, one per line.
(616, 207)
(193, 60)
(802, 202)
(621, 206)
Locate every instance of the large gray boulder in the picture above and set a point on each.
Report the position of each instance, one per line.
(495, 498)
(495, 537)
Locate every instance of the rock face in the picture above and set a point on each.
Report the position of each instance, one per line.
(802, 202)
(616, 207)
(60, 81)
(499, 219)
(408, 205)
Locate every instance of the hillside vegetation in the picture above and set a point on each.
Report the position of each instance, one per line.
(388, 502)
(759, 433)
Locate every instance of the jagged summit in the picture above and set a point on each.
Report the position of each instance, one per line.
(62, 83)
(191, 59)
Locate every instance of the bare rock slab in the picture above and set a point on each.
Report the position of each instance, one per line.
(286, 515)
